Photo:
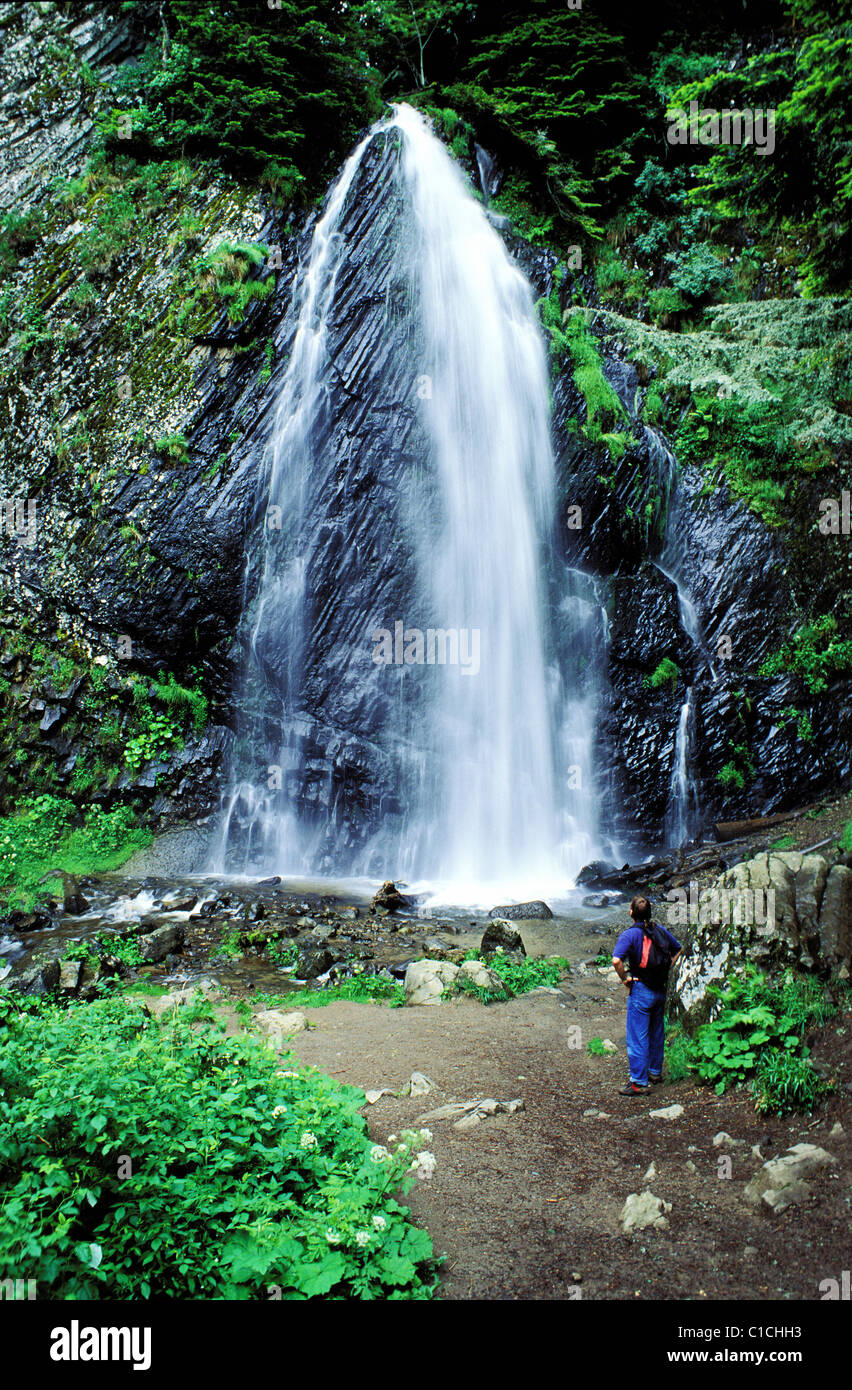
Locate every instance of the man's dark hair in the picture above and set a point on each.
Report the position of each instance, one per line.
(641, 907)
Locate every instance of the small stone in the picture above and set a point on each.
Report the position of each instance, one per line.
(837, 1131)
(749, 1252)
(608, 1045)
(642, 1210)
(651, 1173)
(372, 1096)
(670, 1112)
(690, 1166)
(419, 1085)
(723, 1140)
(588, 1114)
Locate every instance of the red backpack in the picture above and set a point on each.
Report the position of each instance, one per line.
(656, 958)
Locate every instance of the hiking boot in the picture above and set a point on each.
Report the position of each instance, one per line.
(631, 1089)
(655, 1080)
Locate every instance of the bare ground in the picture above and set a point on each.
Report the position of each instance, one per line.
(526, 1206)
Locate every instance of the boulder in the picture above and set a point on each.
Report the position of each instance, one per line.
(314, 961)
(781, 1181)
(593, 874)
(389, 899)
(642, 1210)
(532, 911)
(774, 911)
(41, 978)
(277, 1025)
(835, 918)
(478, 973)
(179, 901)
(156, 945)
(501, 935)
(69, 976)
(425, 980)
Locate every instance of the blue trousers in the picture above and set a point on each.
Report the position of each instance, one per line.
(645, 1032)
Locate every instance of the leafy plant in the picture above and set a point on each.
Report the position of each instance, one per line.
(666, 673)
(815, 653)
(360, 989)
(518, 977)
(757, 1032)
(269, 1182)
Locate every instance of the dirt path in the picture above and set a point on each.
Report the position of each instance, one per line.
(525, 1206)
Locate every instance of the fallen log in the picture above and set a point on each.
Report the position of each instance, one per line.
(734, 829)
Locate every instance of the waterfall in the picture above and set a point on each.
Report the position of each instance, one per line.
(471, 744)
(682, 812)
(682, 815)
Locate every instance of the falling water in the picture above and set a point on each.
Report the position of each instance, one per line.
(484, 786)
(683, 810)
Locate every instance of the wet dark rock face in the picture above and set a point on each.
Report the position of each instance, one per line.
(733, 569)
(182, 603)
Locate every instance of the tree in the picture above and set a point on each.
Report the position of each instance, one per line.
(410, 25)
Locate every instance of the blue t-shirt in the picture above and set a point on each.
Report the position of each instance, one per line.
(629, 945)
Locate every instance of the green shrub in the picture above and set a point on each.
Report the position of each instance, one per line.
(846, 838)
(20, 233)
(517, 977)
(175, 446)
(268, 1184)
(731, 776)
(123, 948)
(785, 1082)
(596, 1048)
(815, 653)
(758, 1033)
(677, 1054)
(665, 305)
(698, 273)
(222, 280)
(603, 406)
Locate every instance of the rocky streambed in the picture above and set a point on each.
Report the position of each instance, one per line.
(274, 936)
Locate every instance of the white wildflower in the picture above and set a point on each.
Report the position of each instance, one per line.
(379, 1223)
(379, 1153)
(279, 1110)
(332, 1236)
(362, 1238)
(308, 1140)
(423, 1165)
(426, 1136)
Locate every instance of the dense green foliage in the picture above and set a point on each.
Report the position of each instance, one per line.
(757, 1036)
(816, 652)
(275, 90)
(268, 1187)
(807, 80)
(49, 833)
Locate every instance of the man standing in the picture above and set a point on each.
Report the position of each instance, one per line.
(649, 950)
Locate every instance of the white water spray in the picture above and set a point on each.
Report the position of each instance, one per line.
(487, 776)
